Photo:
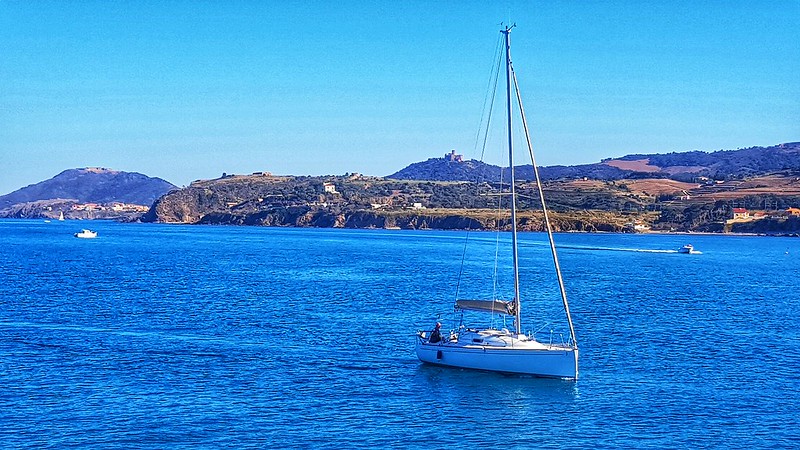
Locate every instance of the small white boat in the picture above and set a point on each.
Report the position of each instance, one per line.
(86, 234)
(688, 249)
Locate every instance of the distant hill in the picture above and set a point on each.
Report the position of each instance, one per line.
(685, 166)
(92, 185)
(440, 169)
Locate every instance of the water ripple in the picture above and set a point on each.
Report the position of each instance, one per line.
(227, 337)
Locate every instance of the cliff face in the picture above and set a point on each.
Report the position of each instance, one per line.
(181, 206)
(368, 202)
(202, 205)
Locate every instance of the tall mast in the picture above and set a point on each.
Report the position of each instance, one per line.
(517, 324)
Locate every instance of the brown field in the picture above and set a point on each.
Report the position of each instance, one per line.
(639, 165)
(775, 184)
(644, 187)
(768, 184)
(658, 186)
(582, 185)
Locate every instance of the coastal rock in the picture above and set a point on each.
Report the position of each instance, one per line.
(369, 202)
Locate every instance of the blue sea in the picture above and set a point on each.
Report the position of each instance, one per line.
(171, 336)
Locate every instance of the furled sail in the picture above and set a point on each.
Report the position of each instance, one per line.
(495, 306)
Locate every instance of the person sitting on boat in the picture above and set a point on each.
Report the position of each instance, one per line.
(436, 335)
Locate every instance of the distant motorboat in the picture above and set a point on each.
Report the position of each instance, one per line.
(86, 234)
(688, 249)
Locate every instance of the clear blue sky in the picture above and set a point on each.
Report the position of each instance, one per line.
(185, 90)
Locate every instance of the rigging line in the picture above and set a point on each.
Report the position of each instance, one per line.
(501, 58)
(487, 110)
(498, 220)
(512, 183)
(544, 209)
(491, 88)
(495, 279)
(494, 75)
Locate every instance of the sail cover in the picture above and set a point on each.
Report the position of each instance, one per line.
(496, 306)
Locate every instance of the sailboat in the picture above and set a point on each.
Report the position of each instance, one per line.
(503, 350)
(61, 216)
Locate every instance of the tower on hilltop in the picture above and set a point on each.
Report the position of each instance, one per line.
(452, 156)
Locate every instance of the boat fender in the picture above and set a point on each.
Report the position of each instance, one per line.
(438, 354)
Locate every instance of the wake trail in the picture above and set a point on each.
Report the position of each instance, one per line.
(608, 249)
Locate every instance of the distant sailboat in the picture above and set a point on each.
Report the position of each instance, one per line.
(502, 350)
(61, 215)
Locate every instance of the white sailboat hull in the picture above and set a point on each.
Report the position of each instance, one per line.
(524, 357)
